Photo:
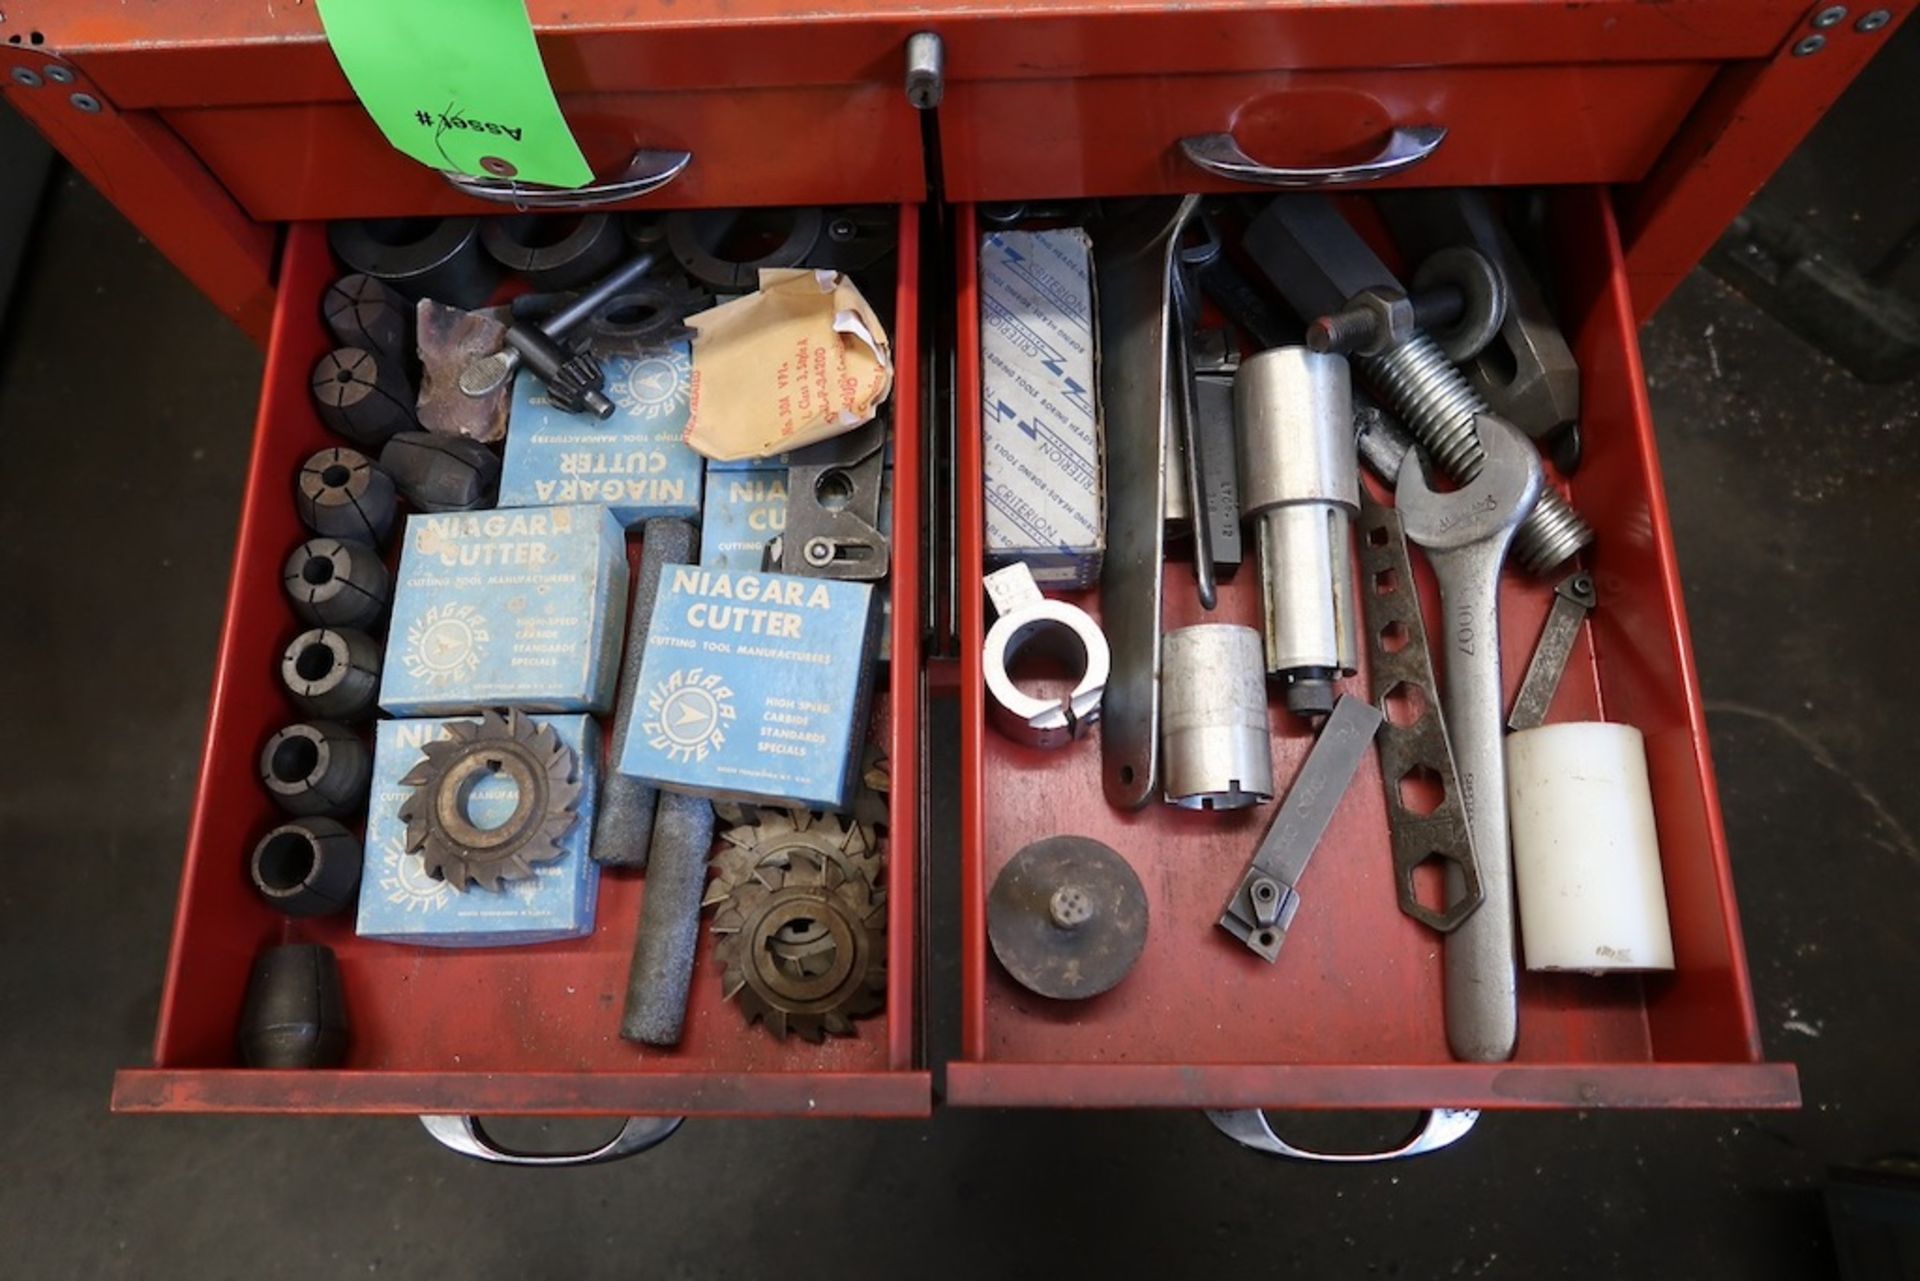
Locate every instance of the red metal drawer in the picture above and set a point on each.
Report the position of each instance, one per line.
(798, 145)
(507, 1030)
(1120, 135)
(1351, 1015)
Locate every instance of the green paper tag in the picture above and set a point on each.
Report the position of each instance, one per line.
(457, 85)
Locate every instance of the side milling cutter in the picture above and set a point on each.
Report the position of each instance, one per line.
(547, 790)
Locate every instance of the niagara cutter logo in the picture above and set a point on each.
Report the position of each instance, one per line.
(655, 385)
(445, 644)
(404, 881)
(688, 714)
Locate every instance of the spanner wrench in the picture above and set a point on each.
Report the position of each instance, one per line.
(1466, 533)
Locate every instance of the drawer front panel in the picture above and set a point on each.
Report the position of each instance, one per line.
(1011, 140)
(837, 144)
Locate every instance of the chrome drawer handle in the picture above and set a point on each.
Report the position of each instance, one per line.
(648, 171)
(465, 1135)
(1442, 1126)
(1221, 156)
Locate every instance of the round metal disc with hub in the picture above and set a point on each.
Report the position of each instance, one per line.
(1067, 918)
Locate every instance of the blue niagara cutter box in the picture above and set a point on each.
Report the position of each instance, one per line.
(744, 509)
(400, 903)
(754, 687)
(635, 463)
(508, 608)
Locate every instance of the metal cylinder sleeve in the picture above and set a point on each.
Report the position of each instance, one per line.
(362, 395)
(1213, 718)
(308, 867)
(317, 768)
(438, 258)
(1300, 487)
(555, 251)
(339, 493)
(332, 582)
(333, 673)
(362, 312)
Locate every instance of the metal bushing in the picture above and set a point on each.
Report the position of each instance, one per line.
(647, 316)
(309, 867)
(363, 395)
(293, 1016)
(555, 251)
(1483, 291)
(437, 258)
(442, 473)
(362, 312)
(1029, 623)
(1213, 718)
(1299, 487)
(704, 241)
(317, 769)
(341, 494)
(333, 673)
(335, 583)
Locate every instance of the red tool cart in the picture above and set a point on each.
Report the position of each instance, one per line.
(226, 133)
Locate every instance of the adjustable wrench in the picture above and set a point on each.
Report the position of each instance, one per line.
(1465, 534)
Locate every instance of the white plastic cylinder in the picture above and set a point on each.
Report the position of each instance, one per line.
(1586, 859)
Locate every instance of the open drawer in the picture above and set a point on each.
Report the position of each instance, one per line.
(531, 1030)
(1351, 1015)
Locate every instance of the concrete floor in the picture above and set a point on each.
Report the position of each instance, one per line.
(127, 404)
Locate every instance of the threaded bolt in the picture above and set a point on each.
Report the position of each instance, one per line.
(1436, 401)
(1354, 329)
(1343, 331)
(1550, 535)
(1439, 405)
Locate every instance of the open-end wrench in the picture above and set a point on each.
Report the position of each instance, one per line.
(1466, 533)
